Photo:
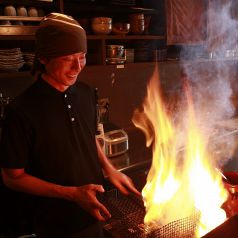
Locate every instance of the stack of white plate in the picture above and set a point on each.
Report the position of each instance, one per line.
(29, 58)
(11, 59)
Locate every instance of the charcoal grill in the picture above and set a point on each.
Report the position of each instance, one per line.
(127, 220)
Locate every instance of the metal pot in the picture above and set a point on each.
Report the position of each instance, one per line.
(116, 142)
(231, 184)
(115, 51)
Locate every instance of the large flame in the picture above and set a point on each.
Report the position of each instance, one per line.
(180, 182)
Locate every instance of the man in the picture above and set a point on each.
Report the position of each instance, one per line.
(48, 144)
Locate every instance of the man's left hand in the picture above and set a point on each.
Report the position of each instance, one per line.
(122, 182)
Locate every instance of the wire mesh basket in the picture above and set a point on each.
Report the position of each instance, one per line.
(128, 221)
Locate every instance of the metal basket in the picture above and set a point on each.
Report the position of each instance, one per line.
(127, 220)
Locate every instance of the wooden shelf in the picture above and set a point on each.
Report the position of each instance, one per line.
(20, 18)
(125, 37)
(13, 32)
(17, 32)
(29, 3)
(109, 9)
(18, 35)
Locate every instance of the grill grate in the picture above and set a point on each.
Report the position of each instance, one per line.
(182, 228)
(127, 220)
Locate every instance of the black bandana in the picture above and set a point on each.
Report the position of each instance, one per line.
(59, 35)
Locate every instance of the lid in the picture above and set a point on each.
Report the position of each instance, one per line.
(115, 135)
(115, 46)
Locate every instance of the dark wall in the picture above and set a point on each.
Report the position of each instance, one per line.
(124, 87)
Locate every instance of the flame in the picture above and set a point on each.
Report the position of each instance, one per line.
(179, 182)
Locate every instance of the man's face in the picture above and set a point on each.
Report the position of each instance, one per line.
(62, 72)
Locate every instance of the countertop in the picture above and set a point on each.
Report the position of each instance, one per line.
(137, 157)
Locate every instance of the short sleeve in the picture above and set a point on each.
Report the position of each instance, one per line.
(15, 139)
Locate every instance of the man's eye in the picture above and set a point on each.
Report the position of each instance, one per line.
(67, 59)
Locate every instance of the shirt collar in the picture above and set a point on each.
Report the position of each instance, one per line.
(47, 88)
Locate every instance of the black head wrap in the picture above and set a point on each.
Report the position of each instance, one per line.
(59, 35)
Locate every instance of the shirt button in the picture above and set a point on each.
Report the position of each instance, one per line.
(65, 95)
(72, 119)
(69, 106)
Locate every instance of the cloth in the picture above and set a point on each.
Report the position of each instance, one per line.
(52, 135)
(59, 35)
(187, 28)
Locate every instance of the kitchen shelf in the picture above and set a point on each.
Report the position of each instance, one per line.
(9, 32)
(108, 9)
(30, 3)
(23, 36)
(20, 18)
(27, 33)
(13, 32)
(125, 37)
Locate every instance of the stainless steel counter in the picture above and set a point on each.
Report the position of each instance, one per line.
(137, 157)
(136, 161)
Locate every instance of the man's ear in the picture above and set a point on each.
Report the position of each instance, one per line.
(43, 60)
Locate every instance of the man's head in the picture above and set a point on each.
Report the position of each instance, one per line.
(58, 35)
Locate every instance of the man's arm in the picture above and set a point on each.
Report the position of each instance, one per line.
(118, 179)
(84, 196)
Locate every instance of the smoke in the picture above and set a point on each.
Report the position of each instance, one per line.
(211, 80)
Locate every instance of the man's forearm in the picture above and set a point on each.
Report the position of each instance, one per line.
(84, 196)
(23, 182)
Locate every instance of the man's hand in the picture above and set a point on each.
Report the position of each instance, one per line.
(118, 179)
(85, 196)
(122, 182)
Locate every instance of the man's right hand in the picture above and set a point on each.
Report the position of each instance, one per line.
(85, 196)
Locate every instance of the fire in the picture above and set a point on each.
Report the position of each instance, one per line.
(180, 182)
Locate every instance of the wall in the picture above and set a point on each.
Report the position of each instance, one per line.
(124, 87)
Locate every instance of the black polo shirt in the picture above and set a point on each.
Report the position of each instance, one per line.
(52, 135)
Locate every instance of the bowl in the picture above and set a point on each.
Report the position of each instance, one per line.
(231, 184)
(102, 20)
(137, 28)
(9, 11)
(137, 22)
(21, 11)
(32, 12)
(101, 28)
(120, 28)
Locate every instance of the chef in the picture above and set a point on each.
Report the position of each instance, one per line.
(48, 147)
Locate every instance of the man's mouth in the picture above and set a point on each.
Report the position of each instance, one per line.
(72, 75)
